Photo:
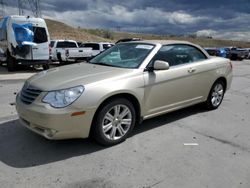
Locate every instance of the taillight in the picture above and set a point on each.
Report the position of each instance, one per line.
(67, 53)
(49, 49)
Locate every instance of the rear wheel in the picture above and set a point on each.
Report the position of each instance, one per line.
(114, 122)
(216, 95)
(46, 67)
(11, 63)
(59, 58)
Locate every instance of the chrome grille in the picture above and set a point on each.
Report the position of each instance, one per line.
(29, 94)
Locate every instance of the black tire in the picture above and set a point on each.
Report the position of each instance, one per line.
(11, 63)
(61, 63)
(97, 125)
(233, 56)
(59, 58)
(210, 105)
(46, 67)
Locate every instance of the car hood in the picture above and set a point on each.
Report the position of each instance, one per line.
(74, 75)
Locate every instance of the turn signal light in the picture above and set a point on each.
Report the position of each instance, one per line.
(78, 113)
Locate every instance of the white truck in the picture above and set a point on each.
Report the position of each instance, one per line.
(58, 47)
(59, 51)
(24, 40)
(68, 50)
(97, 47)
(86, 51)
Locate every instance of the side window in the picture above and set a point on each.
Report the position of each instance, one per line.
(179, 54)
(107, 46)
(94, 46)
(40, 35)
(66, 44)
(3, 30)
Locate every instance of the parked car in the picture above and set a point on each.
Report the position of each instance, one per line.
(212, 51)
(225, 51)
(238, 53)
(69, 51)
(128, 83)
(86, 51)
(220, 52)
(24, 40)
(248, 56)
(58, 47)
(97, 47)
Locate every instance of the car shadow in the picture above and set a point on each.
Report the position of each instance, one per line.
(22, 69)
(21, 148)
(167, 119)
(19, 69)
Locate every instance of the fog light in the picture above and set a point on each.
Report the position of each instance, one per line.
(50, 132)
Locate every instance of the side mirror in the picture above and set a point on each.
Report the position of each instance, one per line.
(161, 65)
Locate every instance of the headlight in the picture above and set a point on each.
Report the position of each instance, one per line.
(64, 97)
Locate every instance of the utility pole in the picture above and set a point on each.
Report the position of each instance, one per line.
(38, 9)
(33, 5)
(21, 4)
(2, 11)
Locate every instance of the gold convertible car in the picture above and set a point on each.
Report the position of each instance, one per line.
(130, 82)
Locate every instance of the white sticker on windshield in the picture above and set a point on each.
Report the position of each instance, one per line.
(143, 46)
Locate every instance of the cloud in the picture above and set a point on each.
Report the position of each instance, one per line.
(206, 33)
(118, 15)
(222, 18)
(237, 36)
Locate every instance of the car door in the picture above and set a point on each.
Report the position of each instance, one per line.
(41, 50)
(166, 90)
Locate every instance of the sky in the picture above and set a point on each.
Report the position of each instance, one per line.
(224, 19)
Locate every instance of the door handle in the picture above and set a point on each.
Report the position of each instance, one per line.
(191, 70)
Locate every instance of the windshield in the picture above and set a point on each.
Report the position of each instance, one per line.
(40, 35)
(125, 55)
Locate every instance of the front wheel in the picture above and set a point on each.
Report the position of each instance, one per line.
(11, 63)
(216, 95)
(114, 122)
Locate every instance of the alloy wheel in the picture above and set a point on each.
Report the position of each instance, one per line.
(217, 94)
(116, 122)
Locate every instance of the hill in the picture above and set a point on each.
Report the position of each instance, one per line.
(205, 42)
(59, 30)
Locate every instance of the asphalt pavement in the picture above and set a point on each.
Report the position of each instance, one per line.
(191, 148)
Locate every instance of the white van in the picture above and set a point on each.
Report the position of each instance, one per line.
(24, 40)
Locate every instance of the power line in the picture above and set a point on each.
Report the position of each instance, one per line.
(33, 5)
(2, 8)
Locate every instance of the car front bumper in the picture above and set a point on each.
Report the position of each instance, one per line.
(54, 123)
